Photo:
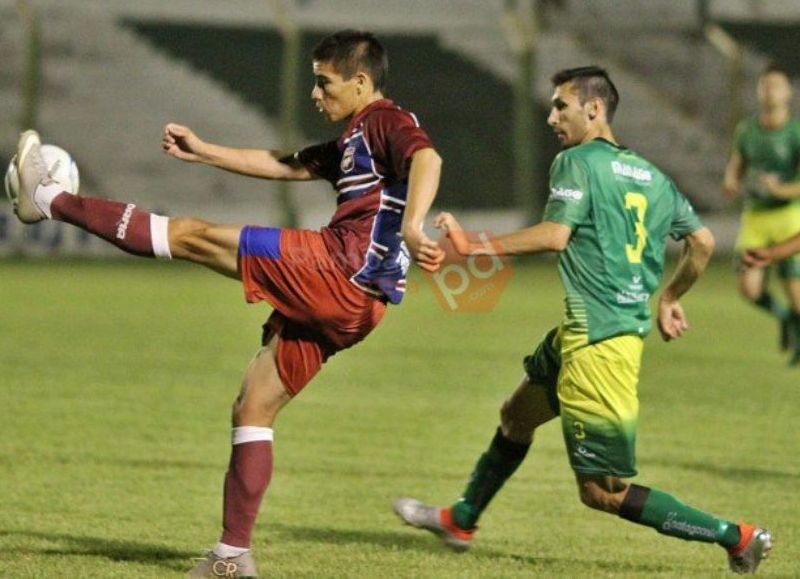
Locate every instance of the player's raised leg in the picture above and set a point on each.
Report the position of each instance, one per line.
(215, 246)
(123, 224)
(526, 409)
(250, 468)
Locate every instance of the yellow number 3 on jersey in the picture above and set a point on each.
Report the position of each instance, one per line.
(638, 202)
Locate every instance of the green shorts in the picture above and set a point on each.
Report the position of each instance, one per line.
(764, 227)
(593, 388)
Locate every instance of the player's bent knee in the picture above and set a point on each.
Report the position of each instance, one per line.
(514, 424)
(595, 499)
(509, 415)
(598, 498)
(262, 413)
(506, 416)
(259, 406)
(750, 294)
(750, 287)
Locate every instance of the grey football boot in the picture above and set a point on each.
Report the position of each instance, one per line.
(437, 520)
(237, 567)
(32, 172)
(752, 549)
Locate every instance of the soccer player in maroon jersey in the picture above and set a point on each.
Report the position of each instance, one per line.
(328, 288)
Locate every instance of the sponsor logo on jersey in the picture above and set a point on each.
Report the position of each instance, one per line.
(632, 297)
(631, 172)
(122, 226)
(348, 159)
(565, 193)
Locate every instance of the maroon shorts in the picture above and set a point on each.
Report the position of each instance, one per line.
(317, 310)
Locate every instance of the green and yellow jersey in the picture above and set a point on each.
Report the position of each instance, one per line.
(621, 209)
(764, 152)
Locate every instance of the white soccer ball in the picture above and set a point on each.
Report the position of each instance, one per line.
(60, 165)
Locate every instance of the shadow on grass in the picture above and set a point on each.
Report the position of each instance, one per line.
(330, 535)
(114, 550)
(727, 471)
(425, 543)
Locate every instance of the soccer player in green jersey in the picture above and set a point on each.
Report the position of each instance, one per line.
(609, 215)
(763, 167)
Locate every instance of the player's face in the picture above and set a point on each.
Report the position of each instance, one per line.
(334, 96)
(569, 118)
(774, 90)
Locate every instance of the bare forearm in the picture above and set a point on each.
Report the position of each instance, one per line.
(258, 163)
(423, 183)
(694, 259)
(733, 175)
(544, 236)
(786, 248)
(789, 190)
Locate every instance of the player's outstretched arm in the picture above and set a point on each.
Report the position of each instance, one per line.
(182, 143)
(698, 247)
(763, 256)
(780, 189)
(545, 236)
(734, 171)
(423, 183)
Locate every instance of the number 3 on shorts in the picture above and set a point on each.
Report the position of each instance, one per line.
(638, 202)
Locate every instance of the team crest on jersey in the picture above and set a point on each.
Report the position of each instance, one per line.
(348, 159)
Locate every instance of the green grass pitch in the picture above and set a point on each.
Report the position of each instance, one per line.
(116, 381)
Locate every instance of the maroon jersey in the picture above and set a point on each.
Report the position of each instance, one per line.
(368, 166)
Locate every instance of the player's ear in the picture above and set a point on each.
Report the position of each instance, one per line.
(592, 109)
(595, 107)
(363, 82)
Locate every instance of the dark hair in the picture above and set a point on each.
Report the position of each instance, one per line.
(353, 51)
(774, 68)
(591, 82)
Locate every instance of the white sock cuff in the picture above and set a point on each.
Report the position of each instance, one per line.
(242, 434)
(43, 196)
(228, 551)
(159, 236)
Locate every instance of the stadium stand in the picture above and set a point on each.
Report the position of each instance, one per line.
(115, 71)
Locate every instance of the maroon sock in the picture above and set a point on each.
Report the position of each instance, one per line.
(118, 223)
(248, 476)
